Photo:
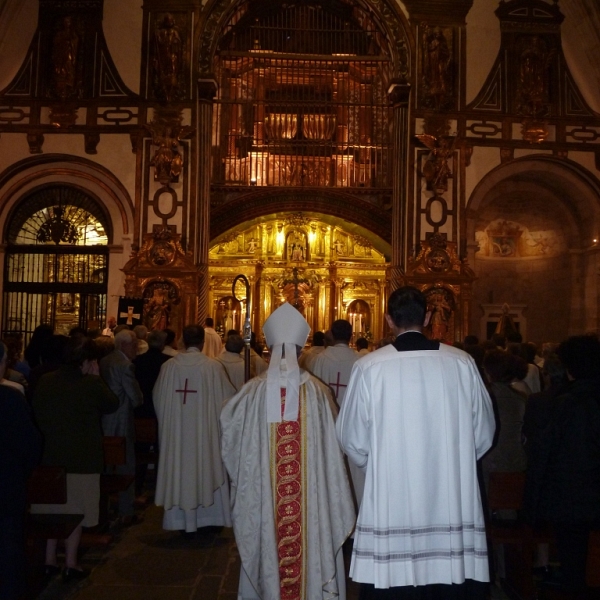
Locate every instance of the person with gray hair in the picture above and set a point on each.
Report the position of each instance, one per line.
(141, 332)
(20, 450)
(232, 361)
(191, 482)
(118, 371)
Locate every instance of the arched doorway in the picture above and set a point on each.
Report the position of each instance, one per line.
(327, 267)
(56, 261)
(535, 231)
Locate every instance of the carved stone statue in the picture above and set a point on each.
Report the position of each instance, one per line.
(168, 59)
(436, 169)
(436, 62)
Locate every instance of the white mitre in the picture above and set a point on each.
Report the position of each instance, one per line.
(285, 327)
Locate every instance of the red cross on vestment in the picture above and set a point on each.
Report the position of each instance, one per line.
(337, 385)
(185, 391)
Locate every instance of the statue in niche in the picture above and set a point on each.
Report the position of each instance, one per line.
(158, 310)
(251, 246)
(168, 59)
(441, 311)
(339, 247)
(296, 247)
(436, 62)
(65, 48)
(533, 62)
(167, 160)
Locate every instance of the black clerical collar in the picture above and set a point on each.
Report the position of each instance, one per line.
(414, 340)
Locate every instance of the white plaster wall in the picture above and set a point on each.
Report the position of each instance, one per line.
(483, 161)
(123, 32)
(18, 20)
(483, 43)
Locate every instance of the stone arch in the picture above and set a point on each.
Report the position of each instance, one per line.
(532, 232)
(20, 179)
(387, 14)
(265, 202)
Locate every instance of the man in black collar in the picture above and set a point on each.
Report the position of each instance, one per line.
(416, 417)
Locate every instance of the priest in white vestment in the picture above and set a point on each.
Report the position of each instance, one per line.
(213, 344)
(188, 396)
(308, 355)
(291, 502)
(333, 367)
(416, 417)
(233, 363)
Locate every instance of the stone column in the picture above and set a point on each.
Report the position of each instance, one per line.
(207, 89)
(398, 96)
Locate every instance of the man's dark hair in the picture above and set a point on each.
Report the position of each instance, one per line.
(341, 330)
(498, 366)
(208, 322)
(555, 370)
(170, 337)
(407, 306)
(234, 343)
(514, 336)
(471, 340)
(362, 343)
(78, 349)
(318, 338)
(193, 335)
(581, 356)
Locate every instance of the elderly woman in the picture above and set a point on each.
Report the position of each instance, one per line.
(68, 404)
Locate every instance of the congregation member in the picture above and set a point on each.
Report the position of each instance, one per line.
(257, 364)
(170, 348)
(417, 417)
(191, 484)
(68, 404)
(362, 346)
(291, 501)
(141, 332)
(20, 451)
(109, 330)
(119, 373)
(563, 475)
(147, 367)
(213, 345)
(308, 355)
(232, 361)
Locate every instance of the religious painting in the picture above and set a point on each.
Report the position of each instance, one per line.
(441, 305)
(160, 297)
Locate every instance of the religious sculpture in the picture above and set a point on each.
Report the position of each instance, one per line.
(167, 132)
(168, 59)
(65, 48)
(436, 63)
(436, 169)
(158, 310)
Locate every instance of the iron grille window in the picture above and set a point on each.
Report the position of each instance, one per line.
(303, 99)
(56, 262)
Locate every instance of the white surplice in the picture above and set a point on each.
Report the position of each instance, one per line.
(191, 482)
(417, 422)
(234, 366)
(213, 344)
(250, 455)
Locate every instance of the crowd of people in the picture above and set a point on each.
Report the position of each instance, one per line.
(387, 451)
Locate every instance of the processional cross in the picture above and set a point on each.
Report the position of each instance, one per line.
(129, 315)
(185, 391)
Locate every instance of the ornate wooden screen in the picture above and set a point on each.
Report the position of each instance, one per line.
(302, 98)
(56, 263)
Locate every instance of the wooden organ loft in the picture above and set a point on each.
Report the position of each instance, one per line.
(302, 100)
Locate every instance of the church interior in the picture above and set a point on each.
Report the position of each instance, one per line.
(330, 151)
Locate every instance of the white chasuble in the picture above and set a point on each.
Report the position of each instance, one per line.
(417, 421)
(291, 502)
(191, 482)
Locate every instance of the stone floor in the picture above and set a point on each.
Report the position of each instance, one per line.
(147, 563)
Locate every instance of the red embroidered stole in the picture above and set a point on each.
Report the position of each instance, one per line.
(288, 477)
